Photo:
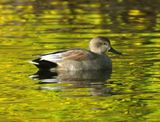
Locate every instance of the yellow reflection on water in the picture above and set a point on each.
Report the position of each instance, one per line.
(32, 27)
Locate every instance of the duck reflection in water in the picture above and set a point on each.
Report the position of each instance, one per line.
(95, 80)
(88, 66)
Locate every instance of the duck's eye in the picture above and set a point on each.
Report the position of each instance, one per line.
(104, 43)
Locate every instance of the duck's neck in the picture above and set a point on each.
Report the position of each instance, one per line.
(98, 52)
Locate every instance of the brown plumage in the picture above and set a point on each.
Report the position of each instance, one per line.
(77, 55)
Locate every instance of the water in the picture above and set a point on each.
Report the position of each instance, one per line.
(129, 93)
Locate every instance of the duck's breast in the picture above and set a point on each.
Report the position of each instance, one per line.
(93, 64)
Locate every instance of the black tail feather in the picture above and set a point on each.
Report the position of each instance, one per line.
(42, 64)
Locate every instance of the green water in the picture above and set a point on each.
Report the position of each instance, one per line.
(31, 27)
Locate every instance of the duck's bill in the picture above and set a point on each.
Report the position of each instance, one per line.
(115, 51)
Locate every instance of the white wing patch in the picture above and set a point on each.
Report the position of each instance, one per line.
(52, 57)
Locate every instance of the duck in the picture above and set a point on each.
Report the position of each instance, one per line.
(79, 59)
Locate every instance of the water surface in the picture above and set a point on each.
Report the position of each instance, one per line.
(129, 93)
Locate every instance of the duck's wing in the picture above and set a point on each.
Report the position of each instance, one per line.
(74, 54)
(50, 60)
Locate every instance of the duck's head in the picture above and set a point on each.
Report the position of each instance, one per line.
(101, 44)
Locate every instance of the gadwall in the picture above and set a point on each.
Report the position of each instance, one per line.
(79, 59)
